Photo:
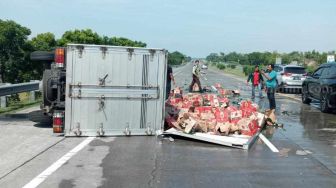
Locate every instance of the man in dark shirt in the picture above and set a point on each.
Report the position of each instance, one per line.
(170, 77)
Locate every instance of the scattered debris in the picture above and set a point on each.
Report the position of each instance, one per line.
(301, 152)
(221, 113)
(171, 139)
(284, 152)
(164, 137)
(308, 151)
(285, 113)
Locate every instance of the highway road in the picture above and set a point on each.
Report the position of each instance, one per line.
(30, 155)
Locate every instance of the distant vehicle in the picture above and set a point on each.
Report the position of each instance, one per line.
(290, 76)
(204, 67)
(321, 85)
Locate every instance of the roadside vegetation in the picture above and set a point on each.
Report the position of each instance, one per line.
(20, 101)
(227, 68)
(16, 44)
(310, 60)
(177, 58)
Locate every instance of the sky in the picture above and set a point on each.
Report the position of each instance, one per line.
(195, 28)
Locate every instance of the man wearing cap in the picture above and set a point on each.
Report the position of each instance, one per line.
(257, 81)
(196, 72)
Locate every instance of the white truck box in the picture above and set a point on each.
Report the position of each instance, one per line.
(113, 90)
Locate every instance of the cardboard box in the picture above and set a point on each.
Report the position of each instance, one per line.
(202, 126)
(189, 125)
(223, 128)
(270, 115)
(207, 116)
(248, 126)
(235, 116)
(222, 115)
(218, 85)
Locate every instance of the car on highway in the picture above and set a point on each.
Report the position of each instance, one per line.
(204, 66)
(290, 77)
(321, 86)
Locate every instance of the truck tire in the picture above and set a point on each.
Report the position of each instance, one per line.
(39, 117)
(47, 91)
(42, 56)
(305, 97)
(324, 101)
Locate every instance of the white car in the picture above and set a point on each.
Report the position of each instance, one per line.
(204, 67)
(290, 76)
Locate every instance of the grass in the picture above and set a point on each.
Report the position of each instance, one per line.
(20, 105)
(227, 70)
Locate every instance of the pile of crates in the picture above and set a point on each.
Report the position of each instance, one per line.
(213, 113)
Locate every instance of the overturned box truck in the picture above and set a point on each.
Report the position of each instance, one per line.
(94, 90)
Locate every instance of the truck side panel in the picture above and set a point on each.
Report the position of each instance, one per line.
(128, 101)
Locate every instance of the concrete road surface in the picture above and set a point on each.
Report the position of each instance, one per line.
(307, 146)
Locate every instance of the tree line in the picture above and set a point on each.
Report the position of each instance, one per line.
(310, 60)
(15, 49)
(177, 58)
(263, 58)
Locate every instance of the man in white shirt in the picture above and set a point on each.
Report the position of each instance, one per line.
(196, 72)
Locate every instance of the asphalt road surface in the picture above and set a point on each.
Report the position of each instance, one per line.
(31, 155)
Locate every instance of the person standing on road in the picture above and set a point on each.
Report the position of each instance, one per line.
(257, 81)
(270, 85)
(196, 72)
(170, 77)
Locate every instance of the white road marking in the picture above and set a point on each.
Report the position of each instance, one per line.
(268, 143)
(51, 169)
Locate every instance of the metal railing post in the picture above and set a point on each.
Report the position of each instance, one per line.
(3, 99)
(3, 102)
(32, 97)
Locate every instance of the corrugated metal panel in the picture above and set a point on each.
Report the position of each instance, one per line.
(129, 100)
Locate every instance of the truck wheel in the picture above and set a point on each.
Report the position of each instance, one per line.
(47, 90)
(305, 97)
(39, 117)
(324, 103)
(42, 56)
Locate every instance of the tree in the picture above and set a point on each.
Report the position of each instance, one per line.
(243, 59)
(44, 42)
(213, 57)
(232, 57)
(188, 59)
(176, 58)
(255, 58)
(32, 70)
(85, 36)
(13, 39)
(125, 42)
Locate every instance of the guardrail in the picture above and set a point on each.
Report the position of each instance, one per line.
(18, 88)
(9, 89)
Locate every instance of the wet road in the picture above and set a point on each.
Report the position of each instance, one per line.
(307, 157)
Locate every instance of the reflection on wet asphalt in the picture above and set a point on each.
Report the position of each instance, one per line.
(304, 125)
(306, 155)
